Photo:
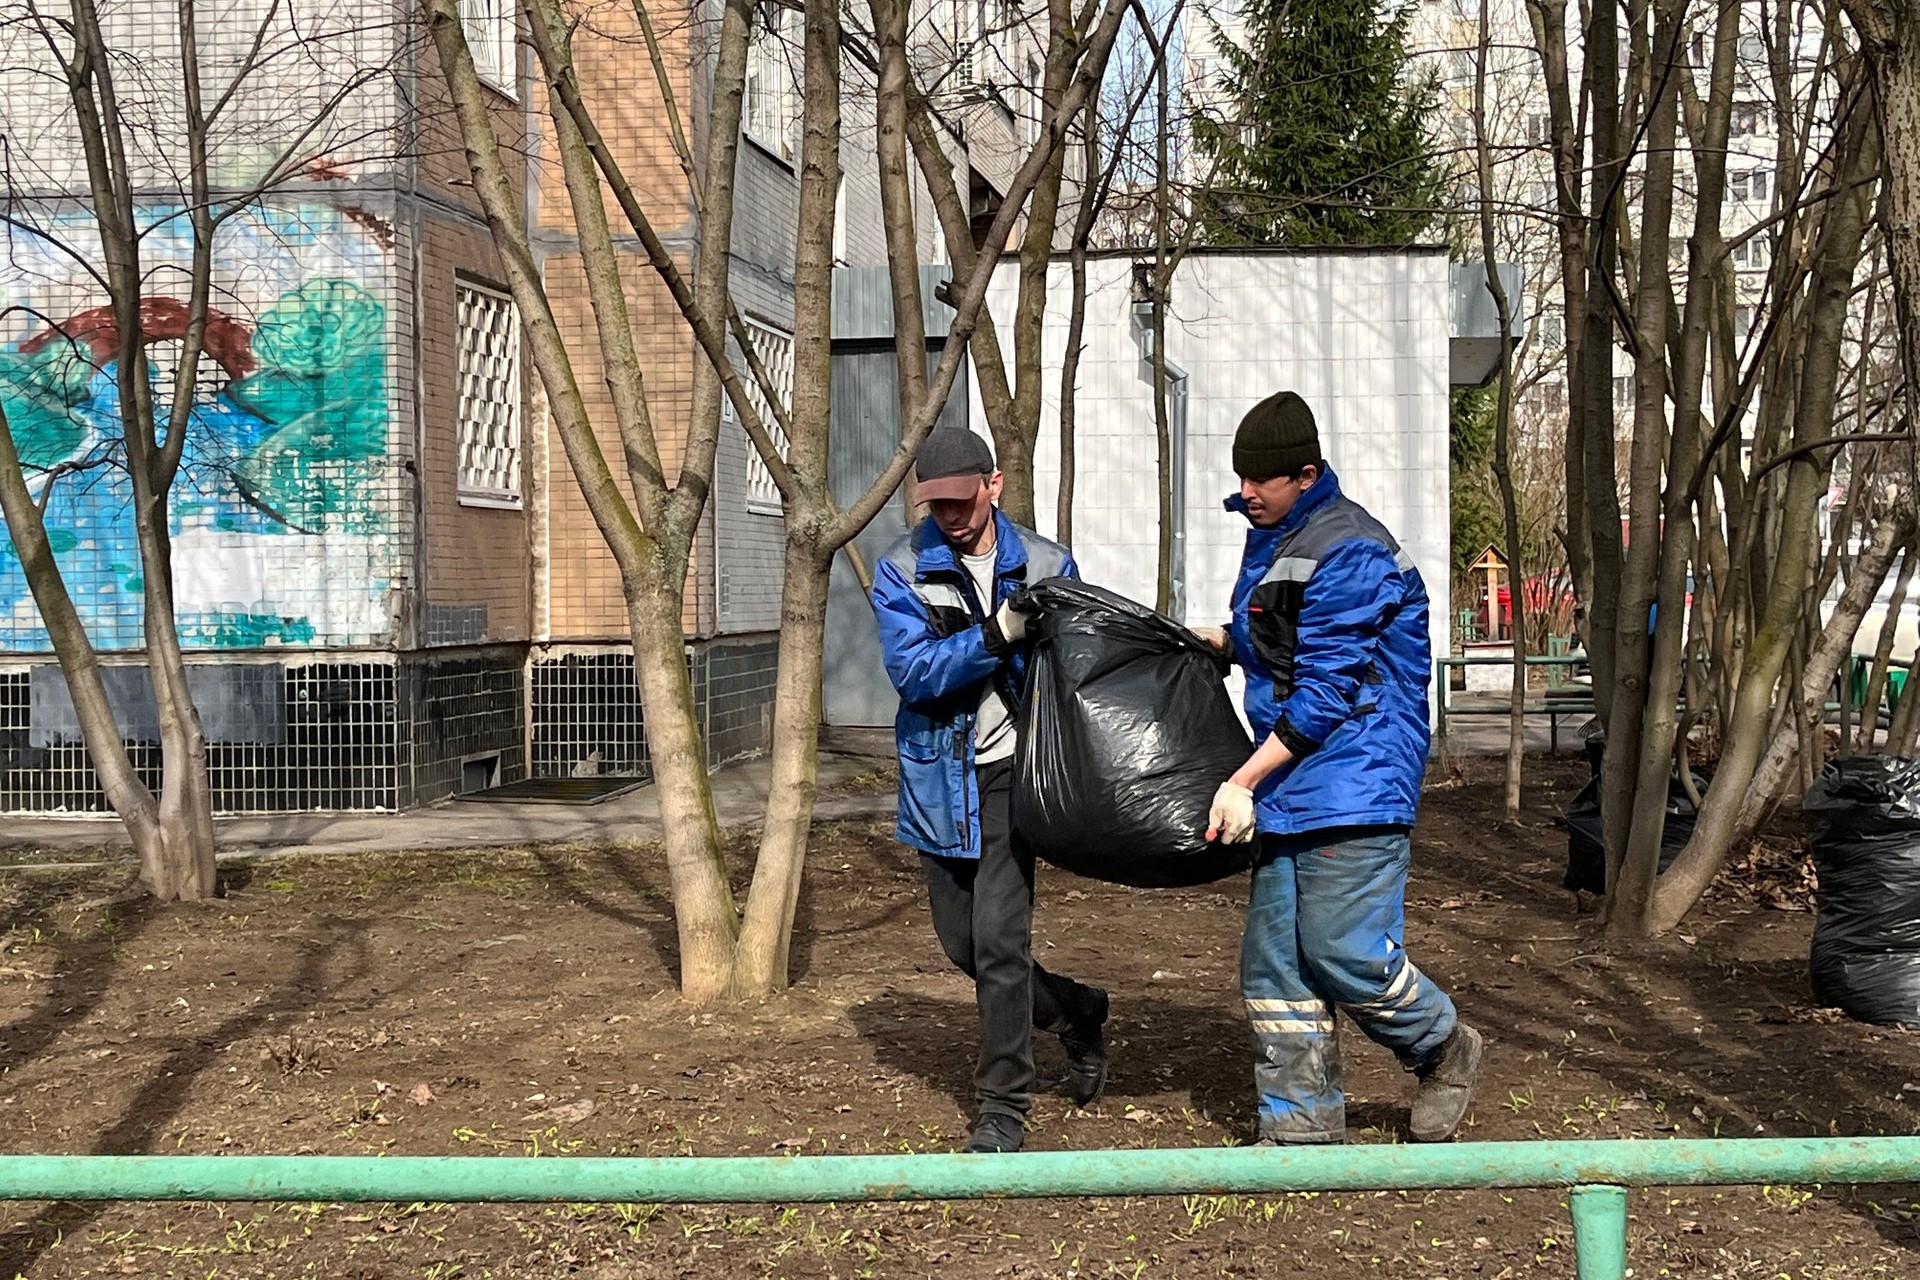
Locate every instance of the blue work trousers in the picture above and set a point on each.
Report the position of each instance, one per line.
(1325, 930)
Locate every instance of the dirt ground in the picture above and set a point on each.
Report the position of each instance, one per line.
(521, 1002)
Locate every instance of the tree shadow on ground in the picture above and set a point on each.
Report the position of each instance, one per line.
(160, 1099)
(1156, 1045)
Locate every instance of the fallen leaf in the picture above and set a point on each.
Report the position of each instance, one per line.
(421, 1095)
(381, 1086)
(572, 1112)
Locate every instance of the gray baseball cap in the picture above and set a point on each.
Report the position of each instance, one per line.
(951, 463)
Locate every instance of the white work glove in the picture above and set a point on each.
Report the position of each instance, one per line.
(1012, 622)
(1230, 820)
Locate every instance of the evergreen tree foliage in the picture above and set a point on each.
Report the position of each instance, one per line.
(1324, 138)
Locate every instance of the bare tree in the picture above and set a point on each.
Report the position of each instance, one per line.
(1503, 425)
(153, 126)
(723, 950)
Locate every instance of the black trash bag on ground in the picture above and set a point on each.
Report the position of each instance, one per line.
(1863, 815)
(1126, 731)
(1587, 851)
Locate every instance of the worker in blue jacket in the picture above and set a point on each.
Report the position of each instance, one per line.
(952, 638)
(1330, 624)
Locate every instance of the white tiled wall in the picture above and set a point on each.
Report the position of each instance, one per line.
(1362, 336)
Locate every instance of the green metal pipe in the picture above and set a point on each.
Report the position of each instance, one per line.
(1599, 1232)
(763, 1179)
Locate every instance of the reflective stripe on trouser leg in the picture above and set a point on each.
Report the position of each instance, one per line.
(1296, 1070)
(1352, 918)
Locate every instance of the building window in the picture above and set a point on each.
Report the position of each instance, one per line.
(1750, 254)
(1749, 185)
(1742, 323)
(1553, 332)
(1036, 107)
(490, 35)
(1623, 391)
(775, 349)
(1539, 128)
(1697, 50)
(770, 111)
(1748, 119)
(1550, 398)
(488, 369)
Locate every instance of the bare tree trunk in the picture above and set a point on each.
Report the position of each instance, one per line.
(80, 664)
(1162, 286)
(815, 528)
(1502, 429)
(1676, 452)
(1549, 22)
(703, 911)
(172, 835)
(1076, 328)
(649, 537)
(1625, 766)
(1836, 256)
(765, 942)
(1808, 694)
(1015, 445)
(1595, 363)
(1878, 673)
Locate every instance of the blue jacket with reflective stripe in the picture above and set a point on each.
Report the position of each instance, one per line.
(1330, 623)
(934, 647)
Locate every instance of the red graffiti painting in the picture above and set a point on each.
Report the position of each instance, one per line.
(228, 341)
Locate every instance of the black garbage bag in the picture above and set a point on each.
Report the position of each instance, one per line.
(1863, 815)
(1587, 851)
(1126, 731)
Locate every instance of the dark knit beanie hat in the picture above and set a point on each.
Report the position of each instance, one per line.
(1276, 438)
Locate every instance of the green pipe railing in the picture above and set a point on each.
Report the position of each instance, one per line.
(1597, 1172)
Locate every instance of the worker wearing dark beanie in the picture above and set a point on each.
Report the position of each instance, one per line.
(1330, 624)
(1278, 437)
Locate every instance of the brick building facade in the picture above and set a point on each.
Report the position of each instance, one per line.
(390, 587)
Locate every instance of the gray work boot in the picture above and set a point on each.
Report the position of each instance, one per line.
(1446, 1086)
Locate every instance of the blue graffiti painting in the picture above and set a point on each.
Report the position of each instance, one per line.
(280, 460)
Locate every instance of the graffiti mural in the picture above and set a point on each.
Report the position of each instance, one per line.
(282, 511)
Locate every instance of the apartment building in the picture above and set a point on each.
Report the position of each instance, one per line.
(390, 589)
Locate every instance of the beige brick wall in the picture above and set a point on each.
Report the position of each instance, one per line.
(625, 98)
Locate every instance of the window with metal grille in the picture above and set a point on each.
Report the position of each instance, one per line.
(489, 376)
(490, 35)
(775, 349)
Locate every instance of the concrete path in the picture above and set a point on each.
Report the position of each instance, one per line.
(850, 787)
(852, 784)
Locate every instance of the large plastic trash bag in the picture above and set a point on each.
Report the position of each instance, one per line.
(1863, 815)
(1126, 731)
(1587, 851)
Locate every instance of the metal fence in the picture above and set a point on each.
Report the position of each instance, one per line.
(1597, 1175)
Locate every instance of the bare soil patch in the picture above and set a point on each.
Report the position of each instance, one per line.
(522, 1002)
